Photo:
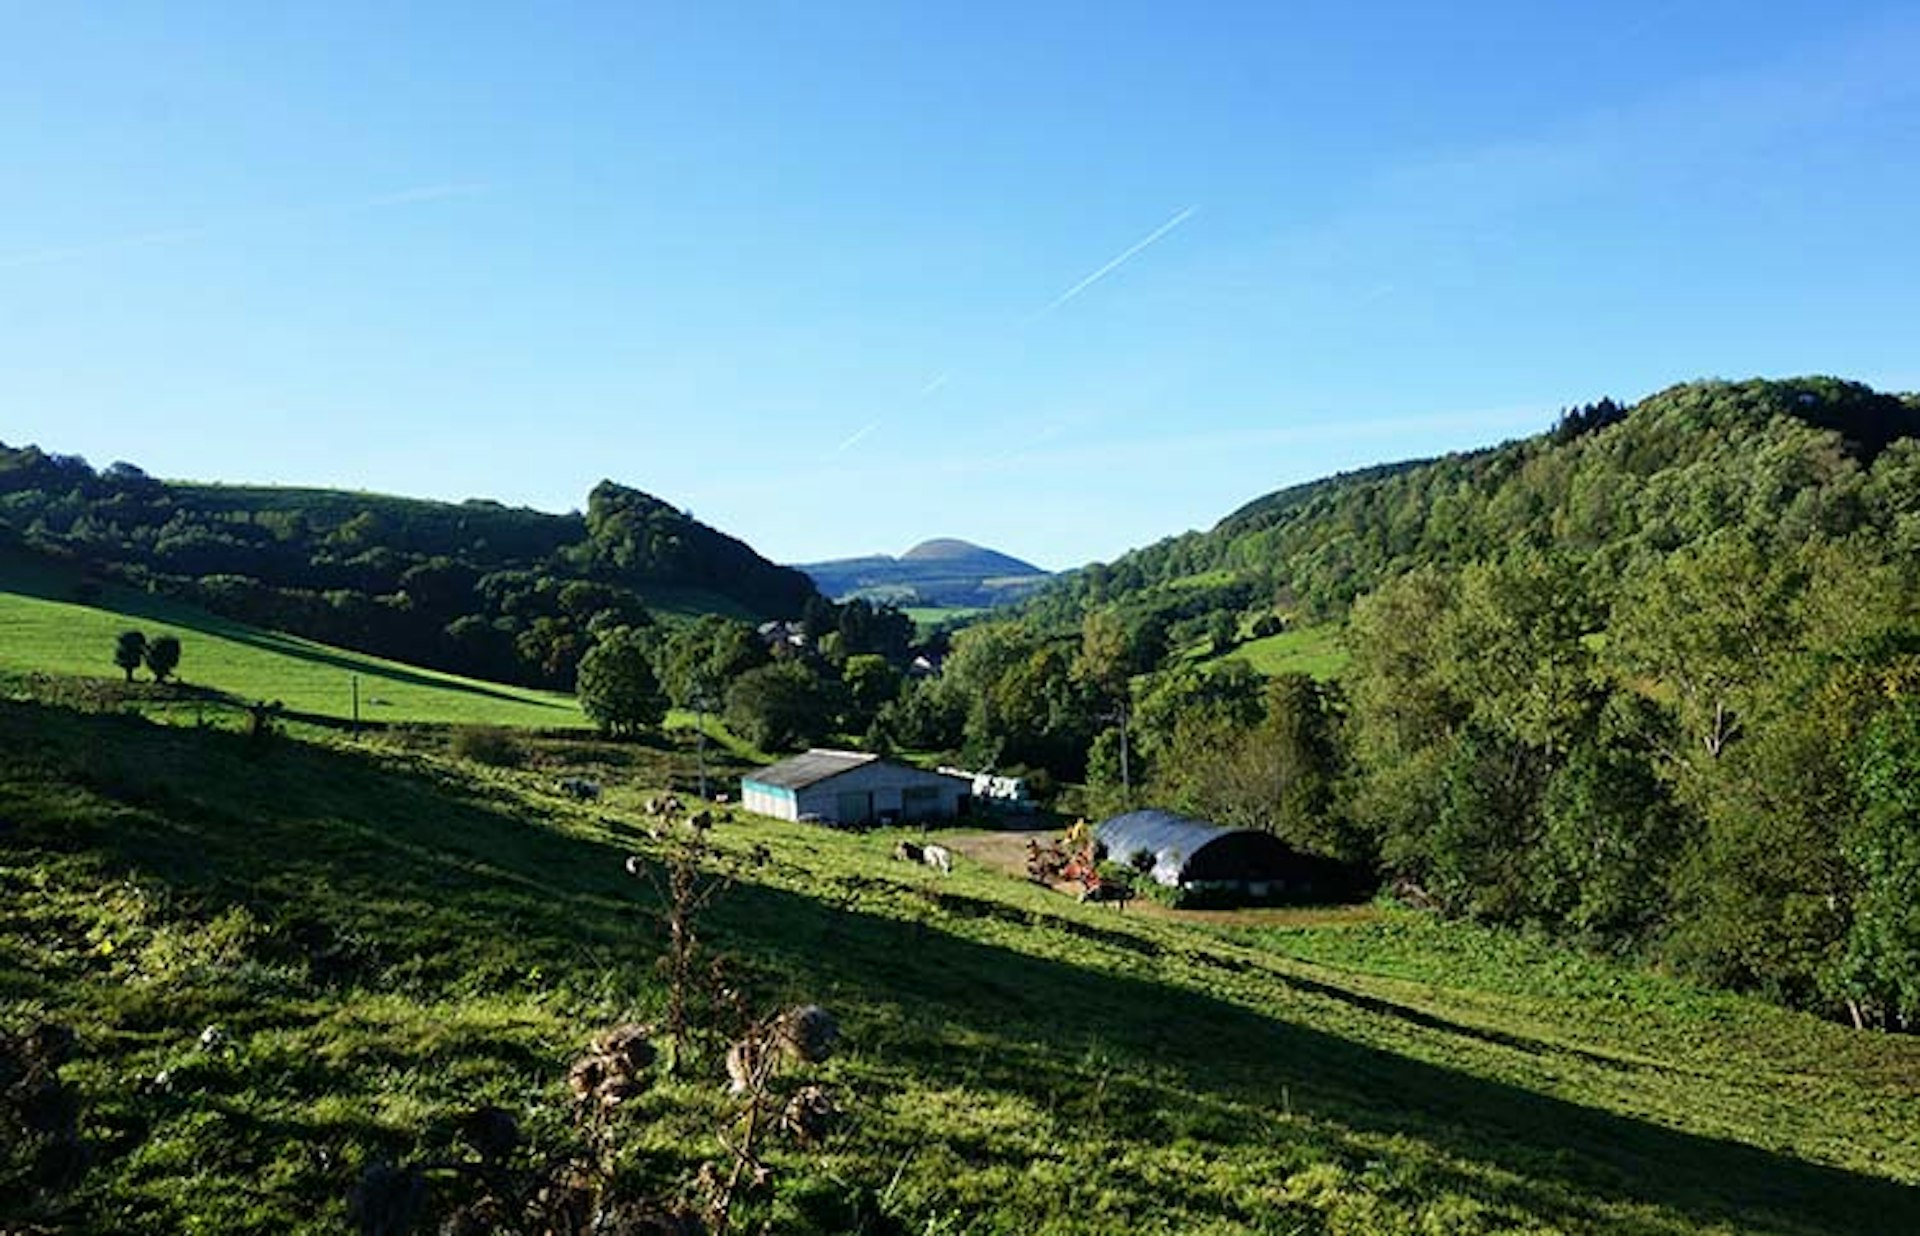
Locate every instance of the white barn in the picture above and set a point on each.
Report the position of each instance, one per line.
(851, 787)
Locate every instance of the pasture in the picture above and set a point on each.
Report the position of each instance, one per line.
(44, 629)
(1314, 651)
(387, 937)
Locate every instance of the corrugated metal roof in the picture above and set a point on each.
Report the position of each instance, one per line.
(1190, 853)
(1157, 832)
(810, 768)
(1176, 843)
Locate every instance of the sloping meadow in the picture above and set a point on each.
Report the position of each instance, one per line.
(284, 961)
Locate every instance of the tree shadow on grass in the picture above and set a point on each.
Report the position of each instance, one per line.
(456, 892)
(299, 649)
(1222, 1051)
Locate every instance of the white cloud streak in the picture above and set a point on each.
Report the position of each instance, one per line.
(1115, 263)
(857, 434)
(1112, 264)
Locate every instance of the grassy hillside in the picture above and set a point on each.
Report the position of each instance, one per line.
(1315, 651)
(473, 588)
(386, 939)
(928, 617)
(41, 631)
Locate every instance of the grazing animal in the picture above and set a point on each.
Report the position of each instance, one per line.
(939, 857)
(700, 820)
(1114, 891)
(578, 787)
(908, 852)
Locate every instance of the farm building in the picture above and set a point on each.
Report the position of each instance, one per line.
(1201, 858)
(851, 787)
(996, 791)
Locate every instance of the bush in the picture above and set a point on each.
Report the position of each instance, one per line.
(488, 744)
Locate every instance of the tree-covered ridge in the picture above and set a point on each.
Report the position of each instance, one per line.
(1649, 679)
(1613, 487)
(474, 587)
(635, 538)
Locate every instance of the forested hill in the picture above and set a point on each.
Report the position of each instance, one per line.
(475, 587)
(1650, 679)
(1611, 486)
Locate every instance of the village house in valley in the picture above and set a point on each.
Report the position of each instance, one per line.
(847, 788)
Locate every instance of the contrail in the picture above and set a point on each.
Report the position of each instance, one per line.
(1115, 263)
(857, 435)
(1126, 255)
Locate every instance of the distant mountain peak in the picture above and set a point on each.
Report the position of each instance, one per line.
(941, 571)
(941, 547)
(951, 551)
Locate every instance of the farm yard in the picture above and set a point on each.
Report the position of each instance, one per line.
(1005, 851)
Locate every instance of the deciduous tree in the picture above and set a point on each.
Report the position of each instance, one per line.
(129, 652)
(163, 656)
(617, 686)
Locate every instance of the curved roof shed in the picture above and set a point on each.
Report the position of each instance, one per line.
(1189, 852)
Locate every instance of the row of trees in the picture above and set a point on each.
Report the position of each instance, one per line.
(842, 672)
(160, 655)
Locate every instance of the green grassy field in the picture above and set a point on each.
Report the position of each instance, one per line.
(927, 617)
(42, 630)
(1305, 650)
(386, 938)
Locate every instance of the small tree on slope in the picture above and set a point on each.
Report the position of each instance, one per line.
(163, 656)
(129, 652)
(617, 686)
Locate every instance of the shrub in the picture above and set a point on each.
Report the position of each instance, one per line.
(488, 744)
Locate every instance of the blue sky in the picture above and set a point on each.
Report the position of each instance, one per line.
(824, 272)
